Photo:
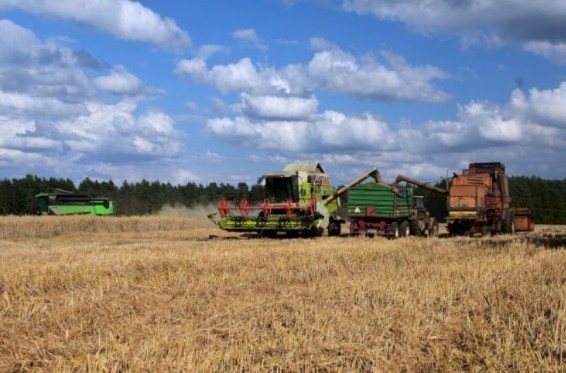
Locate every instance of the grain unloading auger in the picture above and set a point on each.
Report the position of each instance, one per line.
(300, 201)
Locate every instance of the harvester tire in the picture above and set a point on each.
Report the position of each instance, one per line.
(508, 223)
(334, 228)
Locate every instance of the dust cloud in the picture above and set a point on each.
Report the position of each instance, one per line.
(198, 213)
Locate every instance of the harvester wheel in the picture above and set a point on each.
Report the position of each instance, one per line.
(267, 233)
(404, 229)
(508, 223)
(334, 228)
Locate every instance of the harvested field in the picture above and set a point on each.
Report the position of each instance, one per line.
(158, 294)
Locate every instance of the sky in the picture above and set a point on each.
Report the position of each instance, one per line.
(204, 91)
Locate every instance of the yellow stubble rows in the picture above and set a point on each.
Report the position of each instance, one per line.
(157, 294)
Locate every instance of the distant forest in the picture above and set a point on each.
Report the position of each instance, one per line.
(17, 196)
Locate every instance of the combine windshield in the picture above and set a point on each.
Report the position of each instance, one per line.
(280, 189)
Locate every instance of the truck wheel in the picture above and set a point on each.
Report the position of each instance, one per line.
(433, 230)
(508, 223)
(395, 229)
(404, 229)
(415, 229)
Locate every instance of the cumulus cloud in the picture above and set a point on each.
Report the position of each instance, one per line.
(249, 36)
(124, 19)
(545, 107)
(277, 107)
(51, 114)
(331, 69)
(15, 158)
(555, 52)
(113, 131)
(244, 76)
(530, 124)
(326, 131)
(338, 71)
(540, 28)
(208, 50)
(25, 104)
(21, 134)
(490, 123)
(29, 66)
(184, 176)
(119, 82)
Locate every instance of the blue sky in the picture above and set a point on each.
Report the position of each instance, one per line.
(203, 91)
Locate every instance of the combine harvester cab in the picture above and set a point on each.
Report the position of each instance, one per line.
(300, 201)
(479, 203)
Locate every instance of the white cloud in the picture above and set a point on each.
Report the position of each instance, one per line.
(206, 51)
(326, 131)
(28, 66)
(111, 131)
(217, 105)
(278, 108)
(119, 82)
(505, 15)
(530, 125)
(50, 113)
(545, 107)
(333, 70)
(240, 76)
(21, 134)
(191, 105)
(10, 158)
(124, 19)
(249, 36)
(212, 157)
(490, 123)
(184, 176)
(339, 71)
(554, 51)
(539, 26)
(25, 104)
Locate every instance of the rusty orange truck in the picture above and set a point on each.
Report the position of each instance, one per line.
(478, 202)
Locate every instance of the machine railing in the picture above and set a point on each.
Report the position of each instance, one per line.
(266, 209)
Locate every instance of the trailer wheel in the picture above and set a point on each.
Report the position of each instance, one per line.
(404, 229)
(395, 229)
(508, 223)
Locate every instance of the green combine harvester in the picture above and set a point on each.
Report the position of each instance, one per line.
(300, 201)
(69, 203)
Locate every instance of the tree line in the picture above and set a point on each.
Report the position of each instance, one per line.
(17, 196)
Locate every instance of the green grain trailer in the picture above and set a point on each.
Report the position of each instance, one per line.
(383, 210)
(69, 203)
